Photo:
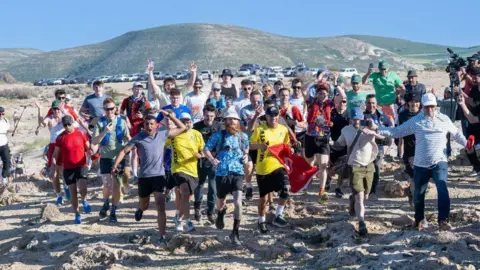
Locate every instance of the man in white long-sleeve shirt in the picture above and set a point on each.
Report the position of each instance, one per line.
(430, 129)
(4, 150)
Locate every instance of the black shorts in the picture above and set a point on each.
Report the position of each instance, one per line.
(148, 185)
(228, 184)
(335, 155)
(71, 176)
(316, 145)
(300, 136)
(275, 181)
(181, 178)
(252, 156)
(106, 165)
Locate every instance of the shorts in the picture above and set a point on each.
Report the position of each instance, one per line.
(148, 185)
(300, 136)
(71, 176)
(252, 156)
(316, 145)
(170, 181)
(181, 178)
(361, 178)
(274, 181)
(389, 111)
(228, 184)
(106, 165)
(51, 149)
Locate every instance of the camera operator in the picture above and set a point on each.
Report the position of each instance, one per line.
(413, 86)
(466, 73)
(380, 119)
(472, 116)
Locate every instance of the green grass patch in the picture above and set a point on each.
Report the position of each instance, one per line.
(37, 143)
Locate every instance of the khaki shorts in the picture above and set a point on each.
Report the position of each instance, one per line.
(361, 178)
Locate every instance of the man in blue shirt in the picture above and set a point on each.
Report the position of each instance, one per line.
(92, 106)
(176, 106)
(231, 146)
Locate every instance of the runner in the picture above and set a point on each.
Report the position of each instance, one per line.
(55, 126)
(362, 151)
(206, 170)
(297, 100)
(110, 134)
(134, 107)
(381, 120)
(186, 151)
(244, 99)
(271, 174)
(317, 148)
(430, 129)
(228, 88)
(20, 169)
(277, 86)
(150, 144)
(292, 114)
(217, 100)
(268, 93)
(4, 149)
(385, 83)
(176, 106)
(92, 106)
(413, 101)
(196, 100)
(355, 97)
(339, 120)
(162, 98)
(231, 147)
(72, 146)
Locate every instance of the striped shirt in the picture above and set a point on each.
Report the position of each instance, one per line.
(431, 137)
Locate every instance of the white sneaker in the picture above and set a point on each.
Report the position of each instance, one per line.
(178, 224)
(473, 174)
(4, 181)
(126, 189)
(424, 223)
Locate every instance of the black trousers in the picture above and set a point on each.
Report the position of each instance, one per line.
(5, 156)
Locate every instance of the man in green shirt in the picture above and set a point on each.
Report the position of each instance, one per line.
(110, 134)
(385, 83)
(355, 97)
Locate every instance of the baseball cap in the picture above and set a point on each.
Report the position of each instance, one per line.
(231, 113)
(2, 109)
(68, 97)
(67, 120)
(135, 84)
(272, 111)
(413, 97)
(383, 64)
(356, 114)
(56, 104)
(412, 73)
(185, 116)
(340, 80)
(429, 99)
(356, 79)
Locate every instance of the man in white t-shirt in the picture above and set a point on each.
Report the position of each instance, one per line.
(4, 150)
(244, 100)
(196, 101)
(298, 101)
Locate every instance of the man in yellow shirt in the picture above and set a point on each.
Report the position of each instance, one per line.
(271, 174)
(186, 151)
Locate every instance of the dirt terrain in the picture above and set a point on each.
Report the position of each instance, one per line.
(34, 234)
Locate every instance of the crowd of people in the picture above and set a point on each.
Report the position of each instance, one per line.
(171, 140)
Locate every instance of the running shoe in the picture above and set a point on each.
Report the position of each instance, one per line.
(198, 214)
(138, 214)
(67, 192)
(78, 219)
(121, 197)
(445, 226)
(178, 224)
(338, 193)
(322, 198)
(473, 173)
(249, 194)
(235, 239)
(280, 222)
(135, 180)
(189, 226)
(211, 218)
(262, 227)
(86, 207)
(362, 228)
(373, 197)
(103, 211)
(113, 218)
(271, 207)
(162, 240)
(59, 201)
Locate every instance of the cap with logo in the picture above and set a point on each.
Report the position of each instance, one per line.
(340, 80)
(429, 99)
(356, 114)
(272, 111)
(56, 104)
(356, 79)
(383, 65)
(137, 84)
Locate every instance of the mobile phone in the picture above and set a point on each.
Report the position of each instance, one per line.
(109, 121)
(371, 66)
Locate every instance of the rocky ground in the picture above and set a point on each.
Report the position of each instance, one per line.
(34, 234)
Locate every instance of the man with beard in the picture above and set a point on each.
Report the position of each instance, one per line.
(150, 143)
(231, 147)
(271, 174)
(206, 170)
(361, 154)
(413, 101)
(413, 86)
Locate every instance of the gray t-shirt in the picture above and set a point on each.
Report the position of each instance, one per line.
(150, 152)
(94, 105)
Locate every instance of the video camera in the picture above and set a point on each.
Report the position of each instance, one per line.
(456, 62)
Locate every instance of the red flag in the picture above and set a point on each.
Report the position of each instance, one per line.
(299, 171)
(470, 143)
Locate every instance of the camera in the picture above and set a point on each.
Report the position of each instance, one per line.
(456, 62)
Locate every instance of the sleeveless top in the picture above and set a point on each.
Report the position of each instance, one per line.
(55, 131)
(230, 92)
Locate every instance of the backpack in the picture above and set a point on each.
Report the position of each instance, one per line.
(118, 131)
(141, 106)
(221, 145)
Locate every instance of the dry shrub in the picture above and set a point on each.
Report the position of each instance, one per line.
(19, 93)
(7, 78)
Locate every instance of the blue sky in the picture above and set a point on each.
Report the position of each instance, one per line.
(52, 24)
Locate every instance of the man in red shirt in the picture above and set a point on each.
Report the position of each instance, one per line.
(135, 106)
(73, 145)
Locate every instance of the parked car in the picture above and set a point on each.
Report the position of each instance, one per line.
(270, 78)
(55, 81)
(205, 74)
(298, 71)
(252, 67)
(288, 71)
(347, 72)
(158, 75)
(121, 78)
(41, 82)
(276, 69)
(252, 78)
(280, 76)
(243, 72)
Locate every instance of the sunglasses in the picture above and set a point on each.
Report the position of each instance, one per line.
(2, 113)
(56, 109)
(344, 101)
(268, 90)
(197, 87)
(296, 87)
(67, 125)
(247, 88)
(217, 89)
(109, 109)
(62, 98)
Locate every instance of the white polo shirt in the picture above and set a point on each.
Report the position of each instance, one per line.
(4, 127)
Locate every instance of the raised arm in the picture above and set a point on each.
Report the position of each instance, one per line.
(180, 126)
(365, 77)
(405, 129)
(153, 87)
(193, 76)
